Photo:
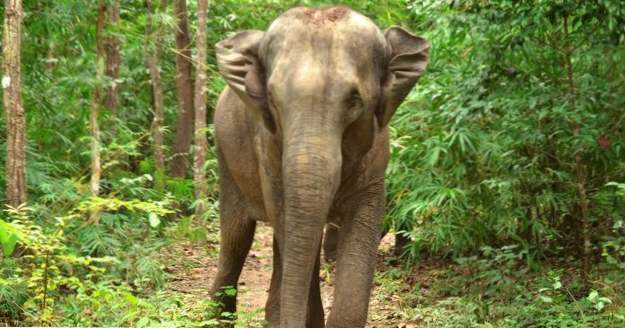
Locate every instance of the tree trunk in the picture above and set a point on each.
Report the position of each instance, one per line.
(184, 89)
(113, 59)
(96, 169)
(154, 40)
(201, 144)
(580, 169)
(12, 98)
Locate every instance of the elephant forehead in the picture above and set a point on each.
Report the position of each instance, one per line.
(317, 16)
(332, 34)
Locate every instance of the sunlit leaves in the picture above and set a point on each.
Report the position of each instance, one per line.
(8, 238)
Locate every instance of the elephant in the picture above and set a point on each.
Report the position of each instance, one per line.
(302, 139)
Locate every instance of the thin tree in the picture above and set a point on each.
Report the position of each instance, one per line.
(155, 40)
(113, 58)
(580, 167)
(12, 99)
(201, 144)
(184, 89)
(96, 169)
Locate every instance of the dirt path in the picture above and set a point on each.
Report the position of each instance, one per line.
(193, 274)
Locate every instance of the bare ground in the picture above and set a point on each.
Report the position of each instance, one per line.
(192, 275)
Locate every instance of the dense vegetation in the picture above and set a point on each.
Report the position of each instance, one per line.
(507, 174)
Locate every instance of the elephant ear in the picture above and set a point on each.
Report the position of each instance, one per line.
(408, 60)
(240, 66)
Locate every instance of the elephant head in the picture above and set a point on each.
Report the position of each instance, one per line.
(318, 80)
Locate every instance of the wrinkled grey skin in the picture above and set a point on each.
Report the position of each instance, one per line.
(302, 141)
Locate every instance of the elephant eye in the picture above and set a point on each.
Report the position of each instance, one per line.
(354, 100)
(354, 106)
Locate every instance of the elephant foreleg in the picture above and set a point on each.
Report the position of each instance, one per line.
(357, 250)
(236, 237)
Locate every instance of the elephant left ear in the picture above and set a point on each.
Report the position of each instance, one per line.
(408, 60)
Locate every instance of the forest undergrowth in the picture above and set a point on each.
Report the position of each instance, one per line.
(158, 273)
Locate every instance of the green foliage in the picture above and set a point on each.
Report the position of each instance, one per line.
(613, 247)
(485, 149)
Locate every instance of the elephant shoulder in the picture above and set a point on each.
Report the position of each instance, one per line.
(232, 120)
(235, 133)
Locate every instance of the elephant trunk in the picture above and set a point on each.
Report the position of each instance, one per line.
(311, 171)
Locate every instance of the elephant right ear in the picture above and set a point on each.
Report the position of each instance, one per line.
(240, 66)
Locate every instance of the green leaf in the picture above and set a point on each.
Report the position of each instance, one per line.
(593, 296)
(8, 238)
(131, 298)
(143, 322)
(9, 245)
(434, 155)
(230, 291)
(209, 323)
(4, 234)
(154, 220)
